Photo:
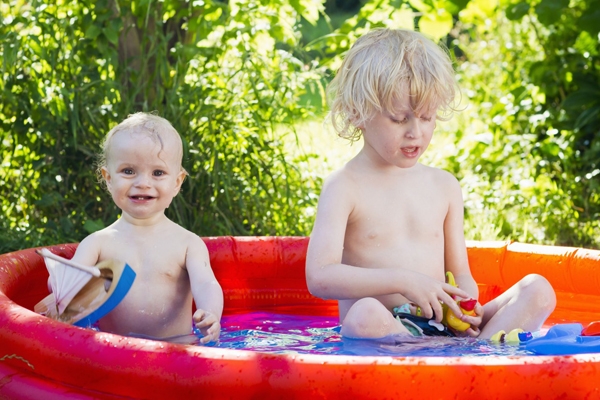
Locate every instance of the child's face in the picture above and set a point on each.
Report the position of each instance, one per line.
(142, 177)
(399, 137)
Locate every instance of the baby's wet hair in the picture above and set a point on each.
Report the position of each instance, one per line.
(384, 65)
(149, 123)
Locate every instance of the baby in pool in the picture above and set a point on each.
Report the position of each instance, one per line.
(141, 166)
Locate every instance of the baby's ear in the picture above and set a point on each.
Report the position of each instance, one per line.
(180, 179)
(106, 176)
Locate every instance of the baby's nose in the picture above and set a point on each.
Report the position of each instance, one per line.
(142, 181)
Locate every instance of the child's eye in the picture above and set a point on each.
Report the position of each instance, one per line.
(426, 119)
(158, 173)
(399, 121)
(128, 171)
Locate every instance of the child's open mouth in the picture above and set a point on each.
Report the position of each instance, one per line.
(410, 151)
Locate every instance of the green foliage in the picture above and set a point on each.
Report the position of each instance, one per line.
(526, 148)
(229, 75)
(224, 74)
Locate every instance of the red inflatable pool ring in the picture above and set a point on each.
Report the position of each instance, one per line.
(42, 358)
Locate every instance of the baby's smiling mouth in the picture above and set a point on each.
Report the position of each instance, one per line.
(141, 197)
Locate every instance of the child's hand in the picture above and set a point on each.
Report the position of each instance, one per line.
(209, 325)
(473, 320)
(427, 293)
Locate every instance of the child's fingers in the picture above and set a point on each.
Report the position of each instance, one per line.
(207, 320)
(211, 334)
(453, 290)
(472, 332)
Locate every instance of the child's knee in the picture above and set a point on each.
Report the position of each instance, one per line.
(539, 291)
(368, 318)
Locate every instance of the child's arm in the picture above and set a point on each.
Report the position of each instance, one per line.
(455, 252)
(328, 278)
(87, 253)
(207, 292)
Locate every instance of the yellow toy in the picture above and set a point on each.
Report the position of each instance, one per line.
(466, 306)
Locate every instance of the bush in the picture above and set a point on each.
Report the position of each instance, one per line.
(224, 75)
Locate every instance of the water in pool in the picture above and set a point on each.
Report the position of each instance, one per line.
(281, 333)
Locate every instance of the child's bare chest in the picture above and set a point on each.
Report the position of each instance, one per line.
(399, 211)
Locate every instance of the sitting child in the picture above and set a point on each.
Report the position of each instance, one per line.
(141, 166)
(387, 227)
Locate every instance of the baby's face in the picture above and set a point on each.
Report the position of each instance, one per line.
(143, 176)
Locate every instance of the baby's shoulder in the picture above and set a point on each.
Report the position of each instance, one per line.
(183, 236)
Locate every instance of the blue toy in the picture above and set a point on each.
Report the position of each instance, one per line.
(564, 339)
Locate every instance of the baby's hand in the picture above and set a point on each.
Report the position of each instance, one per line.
(209, 325)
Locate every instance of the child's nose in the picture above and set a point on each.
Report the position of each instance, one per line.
(414, 129)
(142, 181)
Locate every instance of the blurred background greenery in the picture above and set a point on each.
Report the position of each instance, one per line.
(243, 82)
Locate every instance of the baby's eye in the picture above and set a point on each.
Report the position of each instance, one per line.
(426, 119)
(127, 171)
(399, 121)
(158, 172)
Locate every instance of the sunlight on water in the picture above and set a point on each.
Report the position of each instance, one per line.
(279, 333)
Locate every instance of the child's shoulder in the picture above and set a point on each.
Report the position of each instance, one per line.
(184, 235)
(441, 174)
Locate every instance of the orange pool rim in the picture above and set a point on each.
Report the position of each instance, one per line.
(41, 358)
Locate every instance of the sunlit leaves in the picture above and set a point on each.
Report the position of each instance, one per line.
(517, 11)
(549, 11)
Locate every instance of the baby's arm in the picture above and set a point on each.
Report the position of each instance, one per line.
(455, 252)
(87, 253)
(328, 278)
(207, 292)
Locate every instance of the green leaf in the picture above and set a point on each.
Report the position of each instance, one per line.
(581, 98)
(590, 21)
(515, 12)
(92, 226)
(436, 25)
(112, 35)
(309, 9)
(48, 199)
(588, 116)
(460, 4)
(92, 32)
(549, 11)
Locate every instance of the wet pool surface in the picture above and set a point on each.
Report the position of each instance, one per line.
(281, 333)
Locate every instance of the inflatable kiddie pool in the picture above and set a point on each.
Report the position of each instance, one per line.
(42, 358)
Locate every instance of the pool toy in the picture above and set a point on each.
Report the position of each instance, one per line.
(515, 337)
(565, 339)
(43, 358)
(592, 329)
(467, 306)
(81, 294)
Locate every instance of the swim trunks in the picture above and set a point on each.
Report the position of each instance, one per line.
(420, 326)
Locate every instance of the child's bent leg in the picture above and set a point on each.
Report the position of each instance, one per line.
(525, 305)
(368, 318)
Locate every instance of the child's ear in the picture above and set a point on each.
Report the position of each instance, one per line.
(106, 177)
(179, 181)
(355, 120)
